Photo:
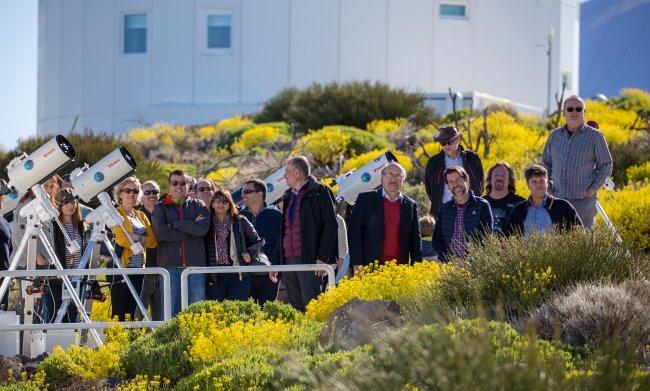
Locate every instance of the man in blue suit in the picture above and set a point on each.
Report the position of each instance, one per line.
(384, 223)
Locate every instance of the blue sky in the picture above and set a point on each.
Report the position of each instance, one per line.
(18, 25)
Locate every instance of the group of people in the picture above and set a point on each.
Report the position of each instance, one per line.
(197, 224)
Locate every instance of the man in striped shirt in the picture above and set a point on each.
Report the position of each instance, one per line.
(578, 160)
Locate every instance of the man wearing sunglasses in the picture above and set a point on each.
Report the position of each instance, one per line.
(204, 190)
(578, 161)
(266, 221)
(180, 223)
(451, 155)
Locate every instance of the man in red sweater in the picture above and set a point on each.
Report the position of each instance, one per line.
(384, 223)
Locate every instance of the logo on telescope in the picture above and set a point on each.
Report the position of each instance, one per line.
(29, 164)
(269, 187)
(365, 177)
(99, 176)
(13, 194)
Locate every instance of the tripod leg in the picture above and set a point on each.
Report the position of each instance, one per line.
(75, 280)
(68, 285)
(12, 265)
(136, 295)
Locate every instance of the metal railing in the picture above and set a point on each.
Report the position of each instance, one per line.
(167, 306)
(251, 269)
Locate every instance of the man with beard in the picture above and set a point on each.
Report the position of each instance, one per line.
(500, 194)
(384, 223)
(466, 217)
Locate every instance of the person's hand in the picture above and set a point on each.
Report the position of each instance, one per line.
(590, 193)
(134, 238)
(41, 261)
(199, 218)
(274, 277)
(247, 257)
(320, 273)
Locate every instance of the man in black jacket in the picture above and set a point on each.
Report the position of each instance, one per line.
(452, 154)
(542, 211)
(180, 223)
(308, 232)
(384, 223)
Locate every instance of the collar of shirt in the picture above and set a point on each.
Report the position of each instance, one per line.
(296, 190)
(385, 195)
(569, 133)
(543, 205)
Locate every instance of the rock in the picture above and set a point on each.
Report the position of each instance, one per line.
(10, 369)
(357, 322)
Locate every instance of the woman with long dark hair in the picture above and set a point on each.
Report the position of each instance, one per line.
(78, 231)
(231, 240)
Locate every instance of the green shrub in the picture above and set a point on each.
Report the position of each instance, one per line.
(464, 355)
(593, 315)
(634, 152)
(352, 104)
(521, 272)
(277, 108)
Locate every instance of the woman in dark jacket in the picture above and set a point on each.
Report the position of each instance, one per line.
(78, 231)
(230, 241)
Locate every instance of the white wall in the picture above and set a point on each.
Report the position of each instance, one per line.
(83, 69)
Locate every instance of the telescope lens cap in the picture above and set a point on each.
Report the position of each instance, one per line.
(65, 146)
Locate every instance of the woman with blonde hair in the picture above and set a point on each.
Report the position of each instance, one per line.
(127, 195)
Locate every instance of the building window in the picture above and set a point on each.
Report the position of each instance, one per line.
(135, 33)
(219, 31)
(453, 11)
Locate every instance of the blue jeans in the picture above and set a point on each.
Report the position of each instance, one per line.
(195, 288)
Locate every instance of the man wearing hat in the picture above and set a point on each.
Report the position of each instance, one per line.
(452, 154)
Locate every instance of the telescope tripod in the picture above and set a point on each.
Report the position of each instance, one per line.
(98, 236)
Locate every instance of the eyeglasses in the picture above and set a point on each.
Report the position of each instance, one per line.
(570, 109)
(129, 191)
(178, 183)
(250, 191)
(150, 192)
(202, 189)
(221, 201)
(450, 142)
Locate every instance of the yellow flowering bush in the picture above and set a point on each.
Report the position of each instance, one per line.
(384, 282)
(526, 283)
(639, 174)
(614, 123)
(431, 149)
(166, 134)
(384, 126)
(145, 383)
(512, 141)
(224, 126)
(101, 311)
(629, 211)
(88, 363)
(223, 176)
(360, 160)
(259, 136)
(324, 145)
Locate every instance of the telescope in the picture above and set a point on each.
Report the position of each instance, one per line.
(276, 185)
(88, 182)
(26, 171)
(366, 178)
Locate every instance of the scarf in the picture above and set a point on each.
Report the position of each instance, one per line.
(221, 233)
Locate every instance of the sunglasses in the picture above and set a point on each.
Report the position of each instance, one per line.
(450, 142)
(202, 189)
(221, 201)
(129, 191)
(178, 183)
(250, 191)
(150, 192)
(570, 109)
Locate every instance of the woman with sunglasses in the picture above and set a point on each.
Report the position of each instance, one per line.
(127, 195)
(231, 240)
(78, 231)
